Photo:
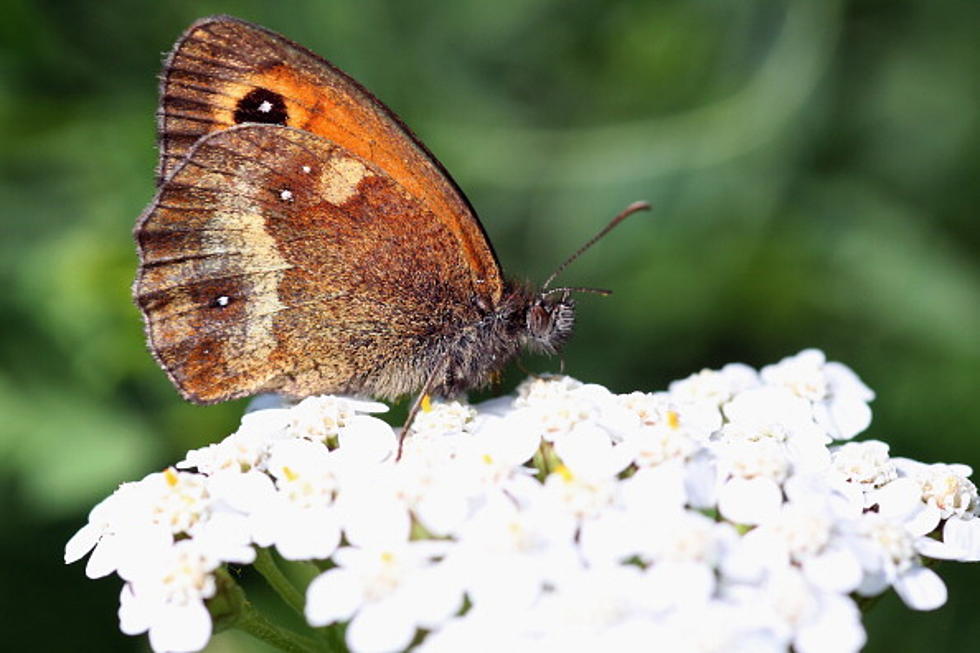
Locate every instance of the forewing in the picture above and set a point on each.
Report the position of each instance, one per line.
(275, 260)
(224, 71)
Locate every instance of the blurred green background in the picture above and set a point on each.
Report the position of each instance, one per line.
(813, 167)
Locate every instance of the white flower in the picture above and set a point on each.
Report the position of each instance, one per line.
(584, 607)
(637, 516)
(141, 516)
(556, 404)
(589, 452)
(960, 541)
(751, 474)
(714, 386)
(298, 517)
(805, 533)
(114, 530)
(167, 599)
(865, 464)
(684, 551)
(735, 627)
(244, 449)
(478, 630)
(319, 418)
(713, 517)
(444, 490)
(372, 506)
(944, 490)
(387, 594)
(665, 429)
(840, 399)
(545, 388)
(887, 551)
(180, 500)
(444, 418)
(578, 495)
(806, 617)
(774, 414)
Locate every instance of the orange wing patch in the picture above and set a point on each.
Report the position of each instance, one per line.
(225, 72)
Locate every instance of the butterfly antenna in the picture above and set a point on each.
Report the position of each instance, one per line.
(627, 212)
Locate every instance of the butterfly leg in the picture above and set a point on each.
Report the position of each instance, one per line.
(437, 372)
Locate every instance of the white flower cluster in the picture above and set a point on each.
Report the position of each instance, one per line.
(717, 516)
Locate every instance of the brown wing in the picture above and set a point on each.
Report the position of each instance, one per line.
(275, 260)
(224, 71)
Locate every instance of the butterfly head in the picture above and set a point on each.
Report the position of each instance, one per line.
(550, 320)
(551, 314)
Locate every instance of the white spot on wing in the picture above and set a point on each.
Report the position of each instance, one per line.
(222, 301)
(307, 169)
(286, 195)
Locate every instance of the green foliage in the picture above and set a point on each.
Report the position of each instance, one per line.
(812, 165)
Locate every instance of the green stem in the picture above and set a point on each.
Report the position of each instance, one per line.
(301, 571)
(329, 637)
(265, 564)
(230, 609)
(252, 622)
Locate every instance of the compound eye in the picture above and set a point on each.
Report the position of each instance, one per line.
(538, 320)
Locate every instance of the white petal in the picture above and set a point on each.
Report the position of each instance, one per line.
(849, 416)
(247, 492)
(874, 582)
(612, 536)
(513, 439)
(678, 585)
(835, 570)
(180, 628)
(899, 499)
(656, 491)
(333, 596)
(442, 511)
(380, 628)
(843, 381)
(435, 595)
(134, 618)
(701, 481)
(310, 535)
(104, 558)
(366, 439)
(837, 627)
(374, 521)
(923, 520)
(131, 553)
(503, 581)
(750, 501)
(964, 535)
(751, 557)
(81, 543)
(588, 451)
(809, 454)
(921, 589)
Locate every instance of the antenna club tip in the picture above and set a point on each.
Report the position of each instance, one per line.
(641, 205)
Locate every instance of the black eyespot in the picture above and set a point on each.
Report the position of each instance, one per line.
(261, 105)
(221, 301)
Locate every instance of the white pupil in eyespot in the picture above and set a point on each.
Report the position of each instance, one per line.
(223, 300)
(286, 195)
(265, 107)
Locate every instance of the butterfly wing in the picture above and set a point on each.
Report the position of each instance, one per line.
(275, 260)
(224, 71)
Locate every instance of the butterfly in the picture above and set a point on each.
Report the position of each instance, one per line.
(303, 241)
